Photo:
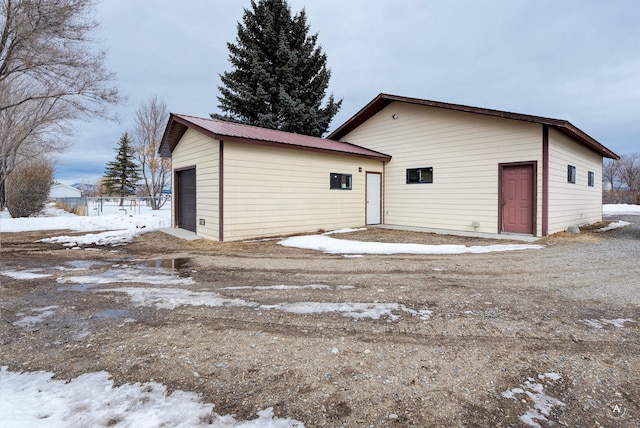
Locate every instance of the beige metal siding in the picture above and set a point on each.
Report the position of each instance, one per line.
(464, 150)
(195, 149)
(572, 204)
(271, 191)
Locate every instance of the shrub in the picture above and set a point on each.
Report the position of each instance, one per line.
(28, 188)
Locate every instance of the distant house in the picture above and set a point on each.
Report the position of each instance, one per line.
(398, 161)
(59, 190)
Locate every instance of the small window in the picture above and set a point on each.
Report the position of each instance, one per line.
(592, 178)
(420, 175)
(340, 181)
(571, 174)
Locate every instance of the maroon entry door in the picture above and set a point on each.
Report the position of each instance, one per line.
(517, 199)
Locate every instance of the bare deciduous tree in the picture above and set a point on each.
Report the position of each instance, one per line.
(630, 173)
(50, 74)
(29, 131)
(150, 121)
(611, 175)
(48, 46)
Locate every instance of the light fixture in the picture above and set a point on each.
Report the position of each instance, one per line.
(394, 116)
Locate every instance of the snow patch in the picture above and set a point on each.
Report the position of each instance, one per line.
(600, 323)
(353, 310)
(615, 225)
(31, 399)
(55, 219)
(128, 275)
(344, 230)
(31, 320)
(542, 403)
(620, 209)
(115, 227)
(170, 298)
(24, 274)
(331, 245)
(291, 287)
(551, 376)
(113, 238)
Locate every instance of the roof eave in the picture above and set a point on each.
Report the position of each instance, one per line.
(177, 126)
(364, 114)
(375, 155)
(383, 100)
(173, 132)
(571, 131)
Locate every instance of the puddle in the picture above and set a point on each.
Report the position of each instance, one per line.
(80, 264)
(147, 273)
(78, 287)
(182, 265)
(113, 313)
(179, 263)
(37, 316)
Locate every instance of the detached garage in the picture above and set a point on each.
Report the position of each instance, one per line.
(473, 169)
(233, 181)
(454, 168)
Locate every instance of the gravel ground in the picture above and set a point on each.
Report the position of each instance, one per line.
(548, 337)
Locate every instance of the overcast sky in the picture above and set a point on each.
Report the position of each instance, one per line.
(577, 60)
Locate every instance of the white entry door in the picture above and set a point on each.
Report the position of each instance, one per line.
(374, 198)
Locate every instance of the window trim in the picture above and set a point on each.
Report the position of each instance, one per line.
(571, 174)
(591, 179)
(418, 170)
(339, 175)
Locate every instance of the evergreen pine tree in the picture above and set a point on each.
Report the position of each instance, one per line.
(279, 77)
(122, 175)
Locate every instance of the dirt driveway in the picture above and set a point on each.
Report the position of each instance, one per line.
(548, 337)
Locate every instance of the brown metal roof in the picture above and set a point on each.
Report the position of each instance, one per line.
(229, 131)
(383, 100)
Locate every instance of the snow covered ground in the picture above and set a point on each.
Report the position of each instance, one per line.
(117, 228)
(120, 228)
(620, 209)
(92, 400)
(331, 245)
(35, 399)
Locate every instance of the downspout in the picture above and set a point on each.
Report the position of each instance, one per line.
(221, 192)
(545, 180)
(382, 192)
